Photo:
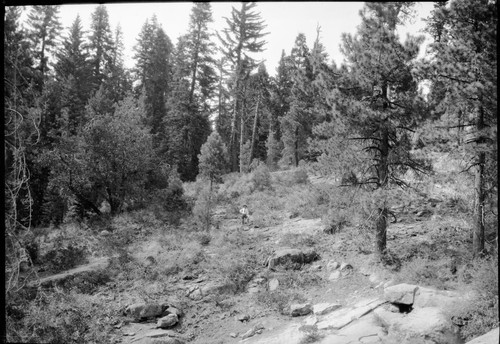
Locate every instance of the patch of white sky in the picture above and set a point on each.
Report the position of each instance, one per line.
(284, 20)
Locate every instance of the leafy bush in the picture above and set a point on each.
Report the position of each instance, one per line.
(261, 178)
(62, 318)
(64, 258)
(203, 208)
(87, 282)
(279, 300)
(312, 336)
(238, 272)
(480, 314)
(426, 272)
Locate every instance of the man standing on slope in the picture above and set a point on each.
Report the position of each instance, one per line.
(244, 214)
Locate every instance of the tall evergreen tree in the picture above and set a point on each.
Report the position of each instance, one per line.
(188, 107)
(44, 29)
(154, 71)
(463, 69)
(118, 82)
(101, 45)
(242, 36)
(376, 105)
(73, 71)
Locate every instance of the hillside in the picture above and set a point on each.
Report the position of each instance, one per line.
(223, 284)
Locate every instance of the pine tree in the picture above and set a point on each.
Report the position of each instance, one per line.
(118, 82)
(188, 106)
(213, 158)
(280, 88)
(44, 29)
(242, 36)
(100, 45)
(73, 72)
(376, 104)
(154, 71)
(463, 71)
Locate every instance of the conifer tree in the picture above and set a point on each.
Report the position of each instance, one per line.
(463, 70)
(73, 72)
(44, 29)
(154, 71)
(376, 105)
(188, 106)
(242, 36)
(100, 45)
(213, 158)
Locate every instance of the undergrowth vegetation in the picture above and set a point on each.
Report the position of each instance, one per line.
(151, 248)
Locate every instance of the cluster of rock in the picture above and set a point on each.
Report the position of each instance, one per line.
(405, 314)
(291, 258)
(165, 314)
(424, 320)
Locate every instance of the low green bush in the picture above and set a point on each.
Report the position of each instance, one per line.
(480, 313)
(279, 300)
(64, 258)
(427, 272)
(63, 318)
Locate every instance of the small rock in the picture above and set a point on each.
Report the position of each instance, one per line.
(324, 308)
(105, 233)
(248, 333)
(244, 317)
(253, 290)
(401, 293)
(388, 284)
(233, 334)
(374, 278)
(333, 265)
(129, 333)
(316, 267)
(140, 311)
(273, 284)
(310, 320)
(346, 268)
(168, 321)
(334, 275)
(174, 310)
(300, 309)
(392, 308)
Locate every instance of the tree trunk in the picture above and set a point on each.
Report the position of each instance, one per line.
(383, 172)
(478, 234)
(242, 136)
(254, 129)
(296, 150)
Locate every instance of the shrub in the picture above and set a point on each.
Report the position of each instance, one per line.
(261, 178)
(279, 300)
(312, 336)
(204, 239)
(300, 176)
(64, 258)
(480, 313)
(426, 272)
(62, 318)
(203, 208)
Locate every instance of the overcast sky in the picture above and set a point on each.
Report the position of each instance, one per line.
(284, 21)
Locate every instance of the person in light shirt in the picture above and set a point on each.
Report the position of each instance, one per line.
(244, 214)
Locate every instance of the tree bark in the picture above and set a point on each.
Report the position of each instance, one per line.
(242, 132)
(383, 211)
(478, 234)
(296, 151)
(254, 129)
